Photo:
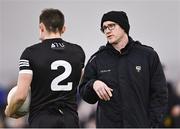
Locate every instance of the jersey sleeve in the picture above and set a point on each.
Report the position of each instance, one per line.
(25, 63)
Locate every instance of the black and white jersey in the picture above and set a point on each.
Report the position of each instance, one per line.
(56, 66)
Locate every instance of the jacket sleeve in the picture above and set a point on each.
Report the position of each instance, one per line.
(86, 86)
(158, 91)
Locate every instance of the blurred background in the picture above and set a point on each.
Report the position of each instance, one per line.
(153, 22)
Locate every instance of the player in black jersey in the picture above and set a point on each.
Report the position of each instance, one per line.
(52, 69)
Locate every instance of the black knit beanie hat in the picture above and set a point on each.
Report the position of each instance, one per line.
(118, 17)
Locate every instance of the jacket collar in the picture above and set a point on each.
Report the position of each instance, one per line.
(125, 50)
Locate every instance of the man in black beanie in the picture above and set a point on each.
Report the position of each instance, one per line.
(118, 17)
(125, 78)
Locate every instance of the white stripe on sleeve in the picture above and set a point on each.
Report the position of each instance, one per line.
(26, 71)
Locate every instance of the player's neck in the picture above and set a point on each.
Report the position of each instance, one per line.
(52, 35)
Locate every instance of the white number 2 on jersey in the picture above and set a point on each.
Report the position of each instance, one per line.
(64, 75)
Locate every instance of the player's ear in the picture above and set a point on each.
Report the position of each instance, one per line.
(41, 31)
(63, 29)
(41, 27)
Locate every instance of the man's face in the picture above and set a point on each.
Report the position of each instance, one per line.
(113, 32)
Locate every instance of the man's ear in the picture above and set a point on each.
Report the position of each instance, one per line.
(41, 27)
(42, 30)
(63, 29)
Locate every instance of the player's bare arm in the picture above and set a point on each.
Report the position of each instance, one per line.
(23, 85)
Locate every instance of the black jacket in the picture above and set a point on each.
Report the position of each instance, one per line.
(138, 82)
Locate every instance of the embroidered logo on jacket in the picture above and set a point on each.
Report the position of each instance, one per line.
(105, 71)
(138, 68)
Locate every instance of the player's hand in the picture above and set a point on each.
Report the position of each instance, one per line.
(13, 115)
(6, 112)
(102, 90)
